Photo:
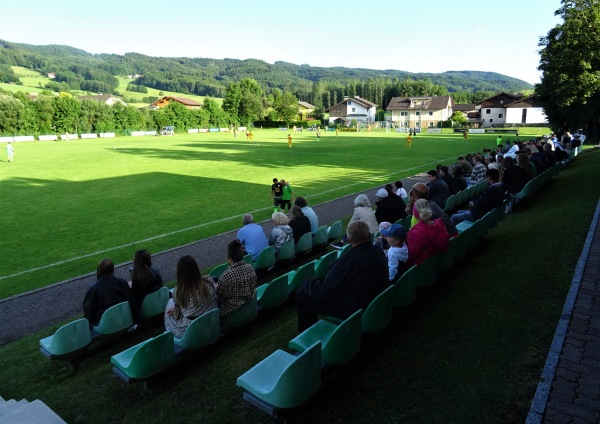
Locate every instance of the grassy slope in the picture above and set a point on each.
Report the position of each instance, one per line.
(73, 199)
(470, 350)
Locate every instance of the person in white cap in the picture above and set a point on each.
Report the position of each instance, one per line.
(388, 209)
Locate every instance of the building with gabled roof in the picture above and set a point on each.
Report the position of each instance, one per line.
(188, 103)
(527, 110)
(353, 108)
(107, 99)
(304, 109)
(420, 111)
(492, 110)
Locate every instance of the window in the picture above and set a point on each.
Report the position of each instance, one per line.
(403, 113)
(430, 124)
(418, 113)
(488, 111)
(417, 125)
(500, 115)
(349, 103)
(501, 102)
(353, 109)
(430, 113)
(491, 120)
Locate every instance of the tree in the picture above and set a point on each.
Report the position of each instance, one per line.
(285, 105)
(458, 118)
(570, 63)
(244, 101)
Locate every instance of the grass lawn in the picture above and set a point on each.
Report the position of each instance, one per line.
(470, 350)
(65, 205)
(124, 82)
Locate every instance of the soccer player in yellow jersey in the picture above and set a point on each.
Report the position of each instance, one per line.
(290, 141)
(408, 140)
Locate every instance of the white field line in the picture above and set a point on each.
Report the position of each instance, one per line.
(110, 249)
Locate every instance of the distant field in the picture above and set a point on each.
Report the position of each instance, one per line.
(83, 199)
(124, 81)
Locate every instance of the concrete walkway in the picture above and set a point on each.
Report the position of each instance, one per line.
(62, 301)
(569, 388)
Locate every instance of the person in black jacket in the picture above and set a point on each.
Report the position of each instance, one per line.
(352, 281)
(299, 222)
(448, 179)
(438, 189)
(144, 278)
(389, 208)
(107, 291)
(492, 197)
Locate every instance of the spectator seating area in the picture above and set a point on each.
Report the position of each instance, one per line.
(286, 380)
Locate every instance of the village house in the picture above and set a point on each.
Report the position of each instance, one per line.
(420, 111)
(304, 109)
(353, 109)
(188, 103)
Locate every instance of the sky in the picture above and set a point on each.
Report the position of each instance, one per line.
(407, 35)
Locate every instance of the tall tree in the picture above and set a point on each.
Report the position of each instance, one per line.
(285, 105)
(570, 63)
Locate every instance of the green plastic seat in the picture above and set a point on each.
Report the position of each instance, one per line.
(462, 226)
(426, 273)
(378, 314)
(304, 244)
(339, 342)
(344, 250)
(319, 239)
(248, 259)
(219, 270)
(450, 203)
(407, 222)
(526, 192)
(273, 294)
(462, 198)
(322, 265)
(446, 259)
(146, 359)
(335, 231)
(502, 210)
(404, 291)
(68, 342)
(494, 214)
(286, 251)
(297, 278)
(284, 380)
(265, 259)
(116, 319)
(460, 246)
(155, 303)
(201, 332)
(243, 315)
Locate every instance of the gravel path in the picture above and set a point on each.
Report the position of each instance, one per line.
(61, 301)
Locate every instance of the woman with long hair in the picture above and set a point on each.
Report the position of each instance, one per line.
(193, 295)
(427, 237)
(299, 223)
(144, 278)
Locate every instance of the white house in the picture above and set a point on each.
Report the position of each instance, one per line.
(420, 112)
(526, 111)
(492, 111)
(353, 108)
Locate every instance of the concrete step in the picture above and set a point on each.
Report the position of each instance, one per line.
(24, 412)
(10, 405)
(6, 404)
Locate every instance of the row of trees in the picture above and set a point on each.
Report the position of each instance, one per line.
(570, 63)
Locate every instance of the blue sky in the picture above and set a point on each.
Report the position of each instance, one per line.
(413, 36)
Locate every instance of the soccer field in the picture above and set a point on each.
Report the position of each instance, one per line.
(65, 205)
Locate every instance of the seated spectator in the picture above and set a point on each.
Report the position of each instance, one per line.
(448, 179)
(513, 177)
(281, 232)
(309, 213)
(426, 238)
(144, 278)
(420, 191)
(491, 162)
(252, 236)
(237, 285)
(512, 152)
(389, 208)
(526, 166)
(479, 170)
(299, 223)
(400, 191)
(351, 283)
(547, 156)
(193, 296)
(438, 189)
(363, 212)
(459, 179)
(381, 241)
(492, 197)
(107, 291)
(397, 254)
(466, 166)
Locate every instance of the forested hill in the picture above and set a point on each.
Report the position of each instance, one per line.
(77, 69)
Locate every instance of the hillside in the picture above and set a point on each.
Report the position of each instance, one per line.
(79, 70)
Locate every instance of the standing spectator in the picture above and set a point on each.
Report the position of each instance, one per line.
(10, 151)
(276, 191)
(193, 296)
(351, 283)
(287, 195)
(144, 278)
(438, 189)
(308, 212)
(252, 236)
(428, 237)
(107, 291)
(299, 223)
(281, 232)
(237, 285)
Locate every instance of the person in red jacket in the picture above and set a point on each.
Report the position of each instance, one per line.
(427, 237)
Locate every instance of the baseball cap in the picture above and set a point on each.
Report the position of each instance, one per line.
(396, 231)
(382, 193)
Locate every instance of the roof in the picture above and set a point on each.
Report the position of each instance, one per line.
(434, 103)
(495, 99)
(183, 100)
(464, 107)
(530, 101)
(358, 100)
(306, 105)
(103, 98)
